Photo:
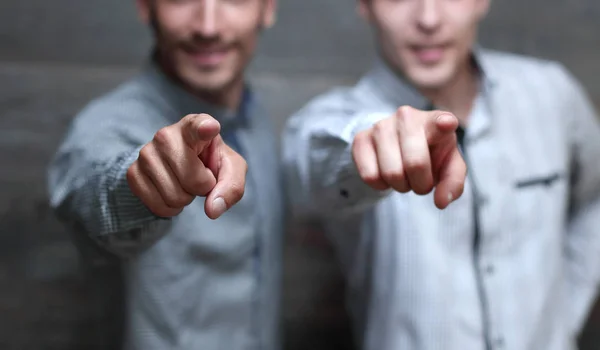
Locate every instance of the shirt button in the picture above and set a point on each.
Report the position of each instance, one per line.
(481, 200)
(344, 193)
(499, 342)
(489, 269)
(135, 234)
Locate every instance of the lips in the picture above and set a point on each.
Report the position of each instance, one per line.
(207, 57)
(429, 54)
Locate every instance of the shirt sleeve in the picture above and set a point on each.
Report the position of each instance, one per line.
(582, 250)
(88, 188)
(321, 177)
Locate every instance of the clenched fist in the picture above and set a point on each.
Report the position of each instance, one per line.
(412, 150)
(186, 160)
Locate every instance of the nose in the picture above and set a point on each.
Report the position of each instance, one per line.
(207, 18)
(429, 16)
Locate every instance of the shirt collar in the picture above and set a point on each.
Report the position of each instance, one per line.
(481, 59)
(185, 103)
(397, 90)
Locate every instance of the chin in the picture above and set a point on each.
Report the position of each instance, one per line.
(211, 83)
(429, 83)
(430, 79)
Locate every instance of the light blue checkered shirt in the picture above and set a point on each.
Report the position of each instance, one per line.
(417, 278)
(192, 283)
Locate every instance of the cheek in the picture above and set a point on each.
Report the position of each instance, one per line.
(464, 25)
(392, 42)
(249, 45)
(248, 38)
(168, 37)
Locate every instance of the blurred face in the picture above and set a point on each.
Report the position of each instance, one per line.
(207, 44)
(427, 41)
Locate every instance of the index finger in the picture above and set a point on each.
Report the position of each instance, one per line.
(439, 126)
(452, 180)
(231, 183)
(198, 130)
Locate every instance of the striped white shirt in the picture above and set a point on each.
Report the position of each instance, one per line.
(513, 264)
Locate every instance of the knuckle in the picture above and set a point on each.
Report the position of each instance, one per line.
(146, 155)
(163, 211)
(425, 189)
(171, 200)
(177, 201)
(402, 115)
(393, 176)
(194, 122)
(415, 164)
(403, 188)
(404, 111)
(202, 117)
(357, 140)
(368, 174)
(189, 120)
(237, 191)
(360, 140)
(201, 185)
(131, 173)
(380, 127)
(374, 181)
(370, 177)
(190, 117)
(163, 137)
(362, 166)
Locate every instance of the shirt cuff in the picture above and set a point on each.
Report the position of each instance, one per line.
(128, 211)
(352, 191)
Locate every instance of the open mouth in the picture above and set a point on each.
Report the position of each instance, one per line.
(429, 54)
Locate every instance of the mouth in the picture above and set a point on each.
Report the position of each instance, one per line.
(207, 57)
(429, 54)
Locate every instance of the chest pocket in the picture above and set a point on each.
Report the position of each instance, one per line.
(538, 200)
(535, 163)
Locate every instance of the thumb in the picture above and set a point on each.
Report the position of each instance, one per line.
(439, 126)
(231, 183)
(452, 180)
(198, 131)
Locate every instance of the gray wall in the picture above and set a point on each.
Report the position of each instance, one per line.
(107, 32)
(56, 55)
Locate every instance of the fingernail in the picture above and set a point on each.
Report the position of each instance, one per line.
(206, 122)
(450, 197)
(219, 206)
(445, 118)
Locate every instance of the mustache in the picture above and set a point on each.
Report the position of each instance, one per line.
(198, 43)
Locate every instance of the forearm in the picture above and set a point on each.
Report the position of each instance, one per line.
(94, 196)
